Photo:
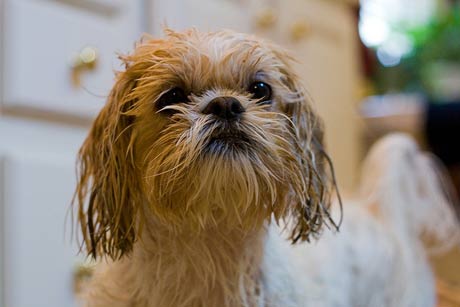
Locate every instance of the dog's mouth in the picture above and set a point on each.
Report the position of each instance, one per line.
(227, 141)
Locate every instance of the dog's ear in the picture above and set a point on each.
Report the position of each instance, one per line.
(107, 191)
(312, 195)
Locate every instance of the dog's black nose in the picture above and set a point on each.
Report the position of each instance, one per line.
(224, 107)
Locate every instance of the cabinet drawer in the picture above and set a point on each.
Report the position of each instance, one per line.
(38, 261)
(37, 181)
(42, 39)
(205, 15)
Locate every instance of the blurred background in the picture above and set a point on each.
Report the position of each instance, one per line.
(371, 66)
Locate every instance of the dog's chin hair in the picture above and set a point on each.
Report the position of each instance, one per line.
(237, 182)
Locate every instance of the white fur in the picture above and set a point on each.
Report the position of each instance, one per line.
(377, 258)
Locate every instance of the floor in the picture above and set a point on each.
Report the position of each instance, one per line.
(447, 268)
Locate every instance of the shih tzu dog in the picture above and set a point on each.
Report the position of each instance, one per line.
(205, 172)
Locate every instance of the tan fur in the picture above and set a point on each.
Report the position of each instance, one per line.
(183, 226)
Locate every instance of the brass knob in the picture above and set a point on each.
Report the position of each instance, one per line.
(85, 60)
(266, 18)
(300, 30)
(82, 274)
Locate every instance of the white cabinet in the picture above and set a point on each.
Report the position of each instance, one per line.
(42, 42)
(40, 39)
(38, 180)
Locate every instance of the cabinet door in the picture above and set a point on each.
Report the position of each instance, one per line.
(60, 55)
(38, 180)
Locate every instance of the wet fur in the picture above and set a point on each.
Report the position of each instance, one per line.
(149, 176)
(180, 218)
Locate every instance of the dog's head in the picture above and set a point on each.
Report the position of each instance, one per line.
(202, 130)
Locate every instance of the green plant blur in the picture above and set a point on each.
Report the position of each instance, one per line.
(436, 48)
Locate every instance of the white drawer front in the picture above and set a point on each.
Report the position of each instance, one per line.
(38, 261)
(205, 15)
(37, 181)
(41, 39)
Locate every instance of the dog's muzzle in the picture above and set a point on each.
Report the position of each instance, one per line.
(228, 136)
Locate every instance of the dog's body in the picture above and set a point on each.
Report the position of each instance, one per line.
(206, 147)
(337, 271)
(377, 258)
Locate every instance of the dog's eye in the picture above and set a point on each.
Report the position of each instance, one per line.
(262, 91)
(173, 96)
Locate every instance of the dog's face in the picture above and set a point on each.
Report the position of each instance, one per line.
(202, 130)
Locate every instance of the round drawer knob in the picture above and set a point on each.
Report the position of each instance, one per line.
(266, 19)
(85, 60)
(300, 30)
